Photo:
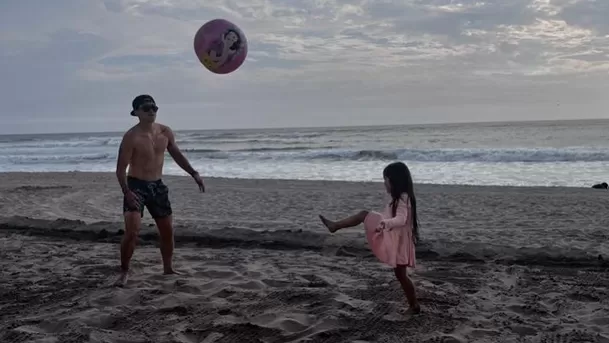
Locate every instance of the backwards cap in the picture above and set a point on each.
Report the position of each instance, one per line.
(140, 100)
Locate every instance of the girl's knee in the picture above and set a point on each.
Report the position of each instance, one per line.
(400, 271)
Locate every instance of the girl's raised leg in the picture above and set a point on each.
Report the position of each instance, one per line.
(351, 221)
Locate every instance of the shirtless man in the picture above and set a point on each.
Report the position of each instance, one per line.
(143, 150)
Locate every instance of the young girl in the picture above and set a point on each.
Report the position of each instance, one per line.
(391, 234)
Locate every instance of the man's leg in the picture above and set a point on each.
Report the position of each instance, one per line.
(133, 221)
(160, 209)
(165, 227)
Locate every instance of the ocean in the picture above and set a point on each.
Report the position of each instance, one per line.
(559, 153)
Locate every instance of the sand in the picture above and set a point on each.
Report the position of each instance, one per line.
(497, 264)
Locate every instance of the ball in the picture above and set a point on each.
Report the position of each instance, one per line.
(220, 46)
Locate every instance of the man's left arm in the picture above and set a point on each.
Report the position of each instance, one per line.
(176, 153)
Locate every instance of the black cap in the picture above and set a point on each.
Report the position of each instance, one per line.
(140, 100)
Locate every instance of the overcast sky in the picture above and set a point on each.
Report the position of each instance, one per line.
(75, 65)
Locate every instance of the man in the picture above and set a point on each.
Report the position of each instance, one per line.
(143, 151)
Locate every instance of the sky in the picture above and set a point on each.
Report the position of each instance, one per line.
(75, 66)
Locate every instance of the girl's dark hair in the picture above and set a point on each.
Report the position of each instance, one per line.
(401, 182)
(236, 45)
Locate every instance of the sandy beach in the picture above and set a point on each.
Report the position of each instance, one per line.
(497, 264)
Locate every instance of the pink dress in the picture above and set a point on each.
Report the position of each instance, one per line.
(394, 245)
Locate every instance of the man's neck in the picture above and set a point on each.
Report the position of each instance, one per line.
(145, 126)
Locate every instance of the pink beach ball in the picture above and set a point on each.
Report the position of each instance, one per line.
(220, 46)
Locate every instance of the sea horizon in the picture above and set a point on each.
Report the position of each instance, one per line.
(438, 124)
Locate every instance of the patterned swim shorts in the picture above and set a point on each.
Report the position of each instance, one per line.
(154, 195)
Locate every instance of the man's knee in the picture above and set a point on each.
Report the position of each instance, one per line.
(133, 221)
(363, 213)
(165, 226)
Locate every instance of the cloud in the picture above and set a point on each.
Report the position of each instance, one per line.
(589, 14)
(309, 63)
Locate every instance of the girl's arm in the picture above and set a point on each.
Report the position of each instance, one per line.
(401, 216)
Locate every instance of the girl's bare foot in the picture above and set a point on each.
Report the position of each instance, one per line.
(329, 224)
(122, 280)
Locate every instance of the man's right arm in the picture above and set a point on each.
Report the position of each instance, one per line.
(125, 151)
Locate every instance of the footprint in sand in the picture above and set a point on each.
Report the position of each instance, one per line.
(223, 293)
(251, 285)
(345, 300)
(277, 283)
(283, 322)
(217, 274)
(604, 321)
(524, 330)
(315, 281)
(191, 338)
(295, 326)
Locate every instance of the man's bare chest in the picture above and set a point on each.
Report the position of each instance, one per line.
(151, 144)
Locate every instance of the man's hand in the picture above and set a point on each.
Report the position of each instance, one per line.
(132, 199)
(199, 181)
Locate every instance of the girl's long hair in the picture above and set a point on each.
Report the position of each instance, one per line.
(400, 180)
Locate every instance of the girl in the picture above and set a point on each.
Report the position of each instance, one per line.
(223, 51)
(393, 233)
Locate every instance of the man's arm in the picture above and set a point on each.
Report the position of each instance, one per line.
(176, 154)
(125, 151)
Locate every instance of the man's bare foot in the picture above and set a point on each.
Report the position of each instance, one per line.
(170, 271)
(414, 310)
(122, 280)
(329, 224)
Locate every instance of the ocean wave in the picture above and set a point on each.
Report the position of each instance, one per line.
(200, 151)
(470, 155)
(279, 149)
(254, 150)
(539, 155)
(252, 135)
(486, 155)
(358, 155)
(197, 141)
(306, 240)
(244, 137)
(51, 159)
(53, 144)
(327, 153)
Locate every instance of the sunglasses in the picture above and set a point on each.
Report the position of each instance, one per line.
(148, 108)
